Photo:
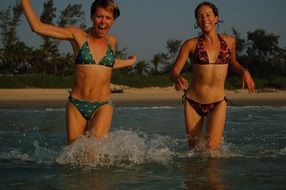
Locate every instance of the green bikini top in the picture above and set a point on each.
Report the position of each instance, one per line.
(85, 56)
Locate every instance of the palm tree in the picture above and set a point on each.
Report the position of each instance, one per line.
(66, 64)
(173, 47)
(159, 58)
(262, 51)
(142, 67)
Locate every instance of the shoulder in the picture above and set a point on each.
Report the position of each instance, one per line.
(230, 40)
(77, 33)
(191, 41)
(190, 44)
(112, 40)
(84, 32)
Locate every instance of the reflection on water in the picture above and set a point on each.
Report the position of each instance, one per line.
(203, 174)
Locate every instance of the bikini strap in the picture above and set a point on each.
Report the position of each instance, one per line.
(224, 99)
(69, 91)
(228, 101)
(184, 96)
(89, 32)
(109, 46)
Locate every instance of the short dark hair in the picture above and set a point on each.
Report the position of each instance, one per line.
(109, 4)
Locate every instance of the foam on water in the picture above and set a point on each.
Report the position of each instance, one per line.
(126, 148)
(122, 148)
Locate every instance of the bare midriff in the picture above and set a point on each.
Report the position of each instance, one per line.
(92, 83)
(207, 83)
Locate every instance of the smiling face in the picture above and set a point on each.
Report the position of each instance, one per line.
(102, 21)
(206, 18)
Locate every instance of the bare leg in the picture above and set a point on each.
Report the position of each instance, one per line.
(76, 124)
(215, 126)
(194, 124)
(101, 121)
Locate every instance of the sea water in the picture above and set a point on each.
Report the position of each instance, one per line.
(146, 149)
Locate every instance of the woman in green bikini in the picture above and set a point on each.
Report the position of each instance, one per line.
(204, 100)
(89, 106)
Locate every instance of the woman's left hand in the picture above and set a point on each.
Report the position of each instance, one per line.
(248, 81)
(132, 58)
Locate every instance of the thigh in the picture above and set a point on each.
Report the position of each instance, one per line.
(193, 121)
(215, 125)
(76, 124)
(101, 121)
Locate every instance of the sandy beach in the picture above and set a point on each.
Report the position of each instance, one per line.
(154, 96)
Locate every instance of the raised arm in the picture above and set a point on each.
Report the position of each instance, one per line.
(236, 67)
(42, 28)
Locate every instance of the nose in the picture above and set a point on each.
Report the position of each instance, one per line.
(104, 20)
(101, 20)
(204, 18)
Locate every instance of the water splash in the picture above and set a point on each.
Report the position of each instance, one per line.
(122, 149)
(126, 148)
(15, 155)
(225, 151)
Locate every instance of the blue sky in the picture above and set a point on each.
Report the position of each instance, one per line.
(144, 26)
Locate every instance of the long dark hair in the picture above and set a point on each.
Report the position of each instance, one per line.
(212, 6)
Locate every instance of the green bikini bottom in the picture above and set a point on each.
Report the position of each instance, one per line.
(87, 108)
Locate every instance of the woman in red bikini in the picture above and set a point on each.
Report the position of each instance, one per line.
(204, 99)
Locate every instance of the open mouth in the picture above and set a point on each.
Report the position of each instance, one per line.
(102, 27)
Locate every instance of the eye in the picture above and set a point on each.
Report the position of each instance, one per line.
(98, 16)
(109, 18)
(199, 17)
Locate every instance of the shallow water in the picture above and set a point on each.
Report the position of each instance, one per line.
(146, 149)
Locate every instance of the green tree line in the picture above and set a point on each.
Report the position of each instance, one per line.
(259, 52)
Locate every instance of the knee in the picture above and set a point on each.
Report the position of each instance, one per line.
(99, 134)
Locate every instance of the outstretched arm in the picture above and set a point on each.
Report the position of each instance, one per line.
(120, 63)
(236, 67)
(42, 28)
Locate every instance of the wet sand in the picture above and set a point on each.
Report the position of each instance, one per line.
(13, 98)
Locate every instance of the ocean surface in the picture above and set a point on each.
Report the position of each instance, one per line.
(146, 149)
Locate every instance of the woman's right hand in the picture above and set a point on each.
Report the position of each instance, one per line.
(62, 33)
(181, 83)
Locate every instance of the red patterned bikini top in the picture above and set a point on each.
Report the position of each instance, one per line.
(200, 56)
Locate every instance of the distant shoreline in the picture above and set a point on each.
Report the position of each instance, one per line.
(155, 96)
